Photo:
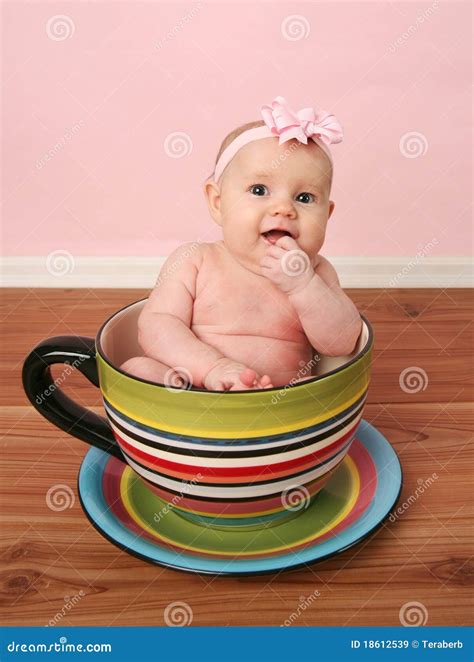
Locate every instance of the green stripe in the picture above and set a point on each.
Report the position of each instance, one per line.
(250, 414)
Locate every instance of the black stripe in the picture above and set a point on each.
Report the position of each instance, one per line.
(227, 485)
(227, 499)
(240, 454)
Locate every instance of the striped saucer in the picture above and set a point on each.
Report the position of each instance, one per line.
(354, 502)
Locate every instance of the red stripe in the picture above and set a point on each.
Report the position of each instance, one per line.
(260, 470)
(254, 480)
(229, 480)
(228, 508)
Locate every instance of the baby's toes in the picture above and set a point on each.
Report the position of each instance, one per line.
(265, 380)
(248, 376)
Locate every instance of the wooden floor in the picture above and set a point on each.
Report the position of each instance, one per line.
(54, 559)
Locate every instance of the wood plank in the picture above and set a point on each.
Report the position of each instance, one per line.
(424, 555)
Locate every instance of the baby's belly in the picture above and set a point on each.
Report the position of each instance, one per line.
(279, 358)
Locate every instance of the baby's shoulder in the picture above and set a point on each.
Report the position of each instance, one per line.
(198, 254)
(196, 251)
(185, 257)
(188, 259)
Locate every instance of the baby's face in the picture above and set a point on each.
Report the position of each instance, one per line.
(267, 186)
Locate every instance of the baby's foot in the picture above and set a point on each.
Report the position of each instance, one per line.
(266, 382)
(250, 379)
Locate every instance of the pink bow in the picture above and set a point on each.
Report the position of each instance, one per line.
(304, 124)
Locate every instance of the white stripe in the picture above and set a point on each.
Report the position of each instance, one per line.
(190, 489)
(82, 356)
(223, 462)
(208, 447)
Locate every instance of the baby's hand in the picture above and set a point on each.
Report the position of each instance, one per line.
(285, 264)
(228, 375)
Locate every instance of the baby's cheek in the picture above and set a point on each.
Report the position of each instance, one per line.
(312, 244)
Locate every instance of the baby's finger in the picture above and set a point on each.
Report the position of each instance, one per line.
(275, 251)
(267, 262)
(287, 243)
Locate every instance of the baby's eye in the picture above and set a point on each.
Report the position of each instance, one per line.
(258, 189)
(305, 197)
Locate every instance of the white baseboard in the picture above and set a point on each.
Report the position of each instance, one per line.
(64, 270)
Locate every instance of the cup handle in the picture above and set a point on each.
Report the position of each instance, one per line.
(47, 398)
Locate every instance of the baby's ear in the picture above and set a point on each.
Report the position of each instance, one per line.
(331, 208)
(212, 194)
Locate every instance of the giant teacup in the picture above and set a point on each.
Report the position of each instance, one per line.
(231, 458)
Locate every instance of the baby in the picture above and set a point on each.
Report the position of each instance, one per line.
(248, 311)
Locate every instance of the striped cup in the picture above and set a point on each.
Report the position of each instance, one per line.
(233, 458)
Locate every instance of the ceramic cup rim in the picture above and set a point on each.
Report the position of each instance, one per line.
(99, 348)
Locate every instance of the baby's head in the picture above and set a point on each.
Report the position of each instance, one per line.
(266, 185)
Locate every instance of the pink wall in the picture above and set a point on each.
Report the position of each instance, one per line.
(102, 89)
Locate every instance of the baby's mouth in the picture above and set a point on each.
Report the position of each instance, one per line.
(272, 236)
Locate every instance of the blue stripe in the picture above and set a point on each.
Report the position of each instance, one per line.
(232, 441)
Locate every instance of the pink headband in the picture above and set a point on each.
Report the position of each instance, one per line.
(280, 121)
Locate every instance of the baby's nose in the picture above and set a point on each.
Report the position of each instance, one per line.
(284, 207)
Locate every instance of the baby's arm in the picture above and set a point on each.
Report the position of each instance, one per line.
(329, 318)
(164, 331)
